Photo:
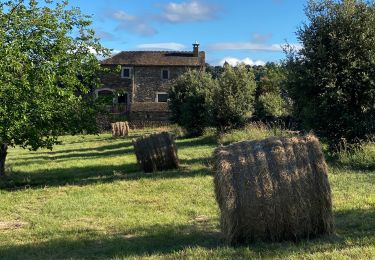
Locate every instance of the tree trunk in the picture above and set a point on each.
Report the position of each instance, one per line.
(3, 156)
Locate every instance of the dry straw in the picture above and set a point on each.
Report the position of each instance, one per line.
(273, 190)
(156, 152)
(120, 129)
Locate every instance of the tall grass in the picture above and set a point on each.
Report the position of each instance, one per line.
(360, 157)
(254, 131)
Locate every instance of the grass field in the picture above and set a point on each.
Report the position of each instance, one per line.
(87, 199)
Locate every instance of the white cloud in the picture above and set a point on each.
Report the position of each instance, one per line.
(123, 16)
(104, 35)
(188, 11)
(133, 24)
(249, 46)
(235, 61)
(114, 52)
(162, 46)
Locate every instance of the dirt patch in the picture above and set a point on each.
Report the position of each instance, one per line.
(200, 219)
(10, 225)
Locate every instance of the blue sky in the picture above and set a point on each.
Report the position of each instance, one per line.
(234, 30)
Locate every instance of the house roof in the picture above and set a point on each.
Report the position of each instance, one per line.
(156, 58)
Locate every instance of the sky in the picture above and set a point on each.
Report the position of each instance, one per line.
(251, 31)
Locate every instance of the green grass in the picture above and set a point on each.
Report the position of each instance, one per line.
(87, 199)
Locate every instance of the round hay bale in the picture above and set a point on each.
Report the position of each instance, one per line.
(273, 190)
(156, 152)
(120, 129)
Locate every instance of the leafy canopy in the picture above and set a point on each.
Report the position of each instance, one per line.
(191, 101)
(233, 99)
(47, 65)
(332, 78)
(271, 96)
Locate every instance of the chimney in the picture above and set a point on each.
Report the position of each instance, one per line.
(196, 49)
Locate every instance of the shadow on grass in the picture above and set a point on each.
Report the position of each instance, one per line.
(357, 166)
(200, 141)
(88, 175)
(168, 239)
(100, 151)
(157, 239)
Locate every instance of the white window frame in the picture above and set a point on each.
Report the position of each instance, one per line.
(169, 74)
(122, 72)
(157, 94)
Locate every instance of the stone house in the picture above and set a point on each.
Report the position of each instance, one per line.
(140, 90)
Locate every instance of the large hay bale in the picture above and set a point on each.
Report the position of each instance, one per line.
(120, 129)
(156, 152)
(273, 190)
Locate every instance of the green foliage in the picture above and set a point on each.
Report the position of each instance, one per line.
(271, 99)
(215, 71)
(332, 78)
(105, 100)
(47, 65)
(233, 99)
(190, 101)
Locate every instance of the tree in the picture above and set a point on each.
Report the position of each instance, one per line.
(233, 99)
(215, 71)
(332, 77)
(271, 97)
(47, 66)
(191, 101)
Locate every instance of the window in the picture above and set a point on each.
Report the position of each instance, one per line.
(165, 74)
(162, 97)
(125, 73)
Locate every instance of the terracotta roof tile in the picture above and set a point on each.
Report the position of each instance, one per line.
(156, 58)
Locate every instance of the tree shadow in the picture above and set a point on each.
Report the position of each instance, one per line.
(358, 167)
(165, 239)
(102, 148)
(87, 175)
(205, 161)
(157, 239)
(200, 141)
(95, 152)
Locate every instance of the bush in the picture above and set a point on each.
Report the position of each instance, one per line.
(331, 79)
(233, 99)
(190, 101)
(271, 98)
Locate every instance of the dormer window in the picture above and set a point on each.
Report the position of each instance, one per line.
(126, 73)
(165, 73)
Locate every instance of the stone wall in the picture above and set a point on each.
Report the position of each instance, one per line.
(113, 80)
(148, 81)
(151, 111)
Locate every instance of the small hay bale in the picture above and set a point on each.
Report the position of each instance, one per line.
(120, 129)
(156, 152)
(273, 190)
